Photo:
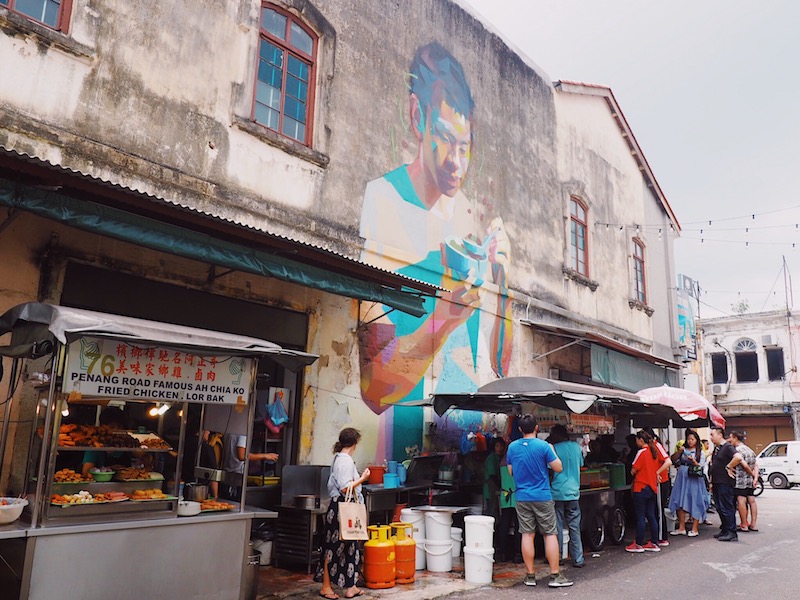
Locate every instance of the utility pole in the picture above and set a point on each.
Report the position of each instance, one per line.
(788, 295)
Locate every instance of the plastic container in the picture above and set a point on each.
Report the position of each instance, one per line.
(405, 552)
(439, 555)
(391, 481)
(379, 558)
(455, 535)
(420, 563)
(265, 548)
(478, 564)
(101, 475)
(401, 473)
(187, 508)
(437, 526)
(11, 511)
(391, 467)
(376, 474)
(417, 520)
(478, 532)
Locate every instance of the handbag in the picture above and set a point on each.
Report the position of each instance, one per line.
(695, 471)
(352, 518)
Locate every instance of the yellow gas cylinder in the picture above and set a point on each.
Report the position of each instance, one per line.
(379, 558)
(405, 551)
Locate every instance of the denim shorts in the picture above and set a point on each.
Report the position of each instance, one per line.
(535, 516)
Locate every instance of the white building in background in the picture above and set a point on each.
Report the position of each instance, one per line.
(751, 373)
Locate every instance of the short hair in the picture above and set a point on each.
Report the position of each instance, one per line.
(348, 437)
(718, 428)
(434, 69)
(528, 423)
(558, 433)
(739, 435)
(499, 440)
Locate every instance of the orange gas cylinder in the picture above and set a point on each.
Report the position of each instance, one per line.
(379, 558)
(406, 552)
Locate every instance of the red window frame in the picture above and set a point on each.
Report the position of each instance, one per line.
(639, 276)
(578, 230)
(288, 49)
(64, 14)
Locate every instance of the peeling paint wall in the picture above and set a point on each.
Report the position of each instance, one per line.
(158, 97)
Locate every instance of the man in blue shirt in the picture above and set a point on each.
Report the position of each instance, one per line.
(528, 461)
(565, 487)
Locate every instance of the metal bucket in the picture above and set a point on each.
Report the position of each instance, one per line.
(251, 573)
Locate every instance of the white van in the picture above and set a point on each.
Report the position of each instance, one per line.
(779, 464)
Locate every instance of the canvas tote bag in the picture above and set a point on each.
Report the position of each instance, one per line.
(352, 518)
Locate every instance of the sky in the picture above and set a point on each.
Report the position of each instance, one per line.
(710, 89)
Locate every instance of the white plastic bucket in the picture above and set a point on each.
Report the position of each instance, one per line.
(455, 535)
(437, 526)
(419, 557)
(417, 519)
(478, 531)
(439, 555)
(478, 564)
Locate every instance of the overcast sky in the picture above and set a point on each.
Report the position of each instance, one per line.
(711, 91)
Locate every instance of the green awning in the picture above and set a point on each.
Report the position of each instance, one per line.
(627, 372)
(158, 235)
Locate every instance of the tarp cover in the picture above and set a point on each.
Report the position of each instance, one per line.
(37, 322)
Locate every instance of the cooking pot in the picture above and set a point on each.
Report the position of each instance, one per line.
(195, 491)
(306, 501)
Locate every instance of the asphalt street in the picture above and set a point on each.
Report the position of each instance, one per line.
(761, 565)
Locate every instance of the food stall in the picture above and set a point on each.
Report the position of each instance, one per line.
(122, 533)
(583, 409)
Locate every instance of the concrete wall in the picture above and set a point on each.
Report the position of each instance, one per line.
(157, 98)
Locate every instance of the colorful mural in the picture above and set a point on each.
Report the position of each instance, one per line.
(416, 220)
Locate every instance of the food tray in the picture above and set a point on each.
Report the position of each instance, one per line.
(141, 437)
(204, 510)
(151, 478)
(162, 499)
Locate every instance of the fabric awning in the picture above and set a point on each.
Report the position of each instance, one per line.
(34, 325)
(180, 241)
(505, 395)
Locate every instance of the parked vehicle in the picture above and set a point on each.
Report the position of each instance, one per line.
(779, 464)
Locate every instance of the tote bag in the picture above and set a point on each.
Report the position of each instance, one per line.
(352, 518)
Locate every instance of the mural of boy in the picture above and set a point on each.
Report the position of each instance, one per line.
(416, 220)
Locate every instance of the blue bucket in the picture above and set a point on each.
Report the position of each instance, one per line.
(391, 467)
(391, 480)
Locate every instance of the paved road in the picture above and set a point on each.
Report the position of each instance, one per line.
(761, 566)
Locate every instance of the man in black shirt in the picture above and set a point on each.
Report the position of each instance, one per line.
(722, 482)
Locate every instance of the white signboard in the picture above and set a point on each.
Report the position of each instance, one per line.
(116, 368)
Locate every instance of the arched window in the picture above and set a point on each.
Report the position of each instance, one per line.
(639, 288)
(284, 95)
(52, 13)
(579, 247)
(746, 361)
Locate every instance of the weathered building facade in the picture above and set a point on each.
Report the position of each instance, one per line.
(750, 367)
(386, 184)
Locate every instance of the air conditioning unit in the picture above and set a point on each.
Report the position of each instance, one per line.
(718, 389)
(767, 340)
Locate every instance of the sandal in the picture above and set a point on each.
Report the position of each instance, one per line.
(358, 593)
(751, 528)
(329, 596)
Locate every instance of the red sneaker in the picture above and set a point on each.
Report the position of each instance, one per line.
(651, 547)
(634, 547)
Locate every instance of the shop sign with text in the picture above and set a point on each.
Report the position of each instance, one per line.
(117, 369)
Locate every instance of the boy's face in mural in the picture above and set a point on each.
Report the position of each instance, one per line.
(445, 145)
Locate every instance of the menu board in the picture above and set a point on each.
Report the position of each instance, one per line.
(120, 369)
(591, 424)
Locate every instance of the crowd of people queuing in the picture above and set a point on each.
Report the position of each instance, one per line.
(533, 486)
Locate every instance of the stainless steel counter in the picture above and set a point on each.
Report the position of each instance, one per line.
(12, 530)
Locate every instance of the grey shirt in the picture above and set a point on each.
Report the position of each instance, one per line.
(343, 471)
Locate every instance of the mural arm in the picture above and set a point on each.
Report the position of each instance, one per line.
(500, 257)
(393, 365)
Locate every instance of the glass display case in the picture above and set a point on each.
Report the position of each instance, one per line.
(135, 472)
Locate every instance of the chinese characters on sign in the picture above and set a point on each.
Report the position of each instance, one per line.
(114, 368)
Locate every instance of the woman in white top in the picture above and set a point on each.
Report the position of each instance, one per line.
(340, 560)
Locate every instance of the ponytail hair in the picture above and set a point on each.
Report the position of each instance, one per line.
(648, 439)
(348, 437)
